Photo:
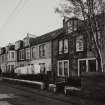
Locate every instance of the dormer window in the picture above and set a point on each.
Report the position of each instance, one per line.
(26, 42)
(18, 44)
(75, 25)
(69, 26)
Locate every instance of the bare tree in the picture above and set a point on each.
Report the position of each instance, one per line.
(88, 11)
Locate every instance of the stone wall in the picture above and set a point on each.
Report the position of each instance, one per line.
(93, 85)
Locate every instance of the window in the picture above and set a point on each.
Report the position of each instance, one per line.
(9, 56)
(26, 41)
(12, 55)
(9, 68)
(66, 46)
(21, 55)
(79, 43)
(66, 68)
(42, 50)
(17, 45)
(12, 68)
(27, 53)
(63, 46)
(60, 68)
(70, 26)
(60, 46)
(42, 68)
(75, 25)
(63, 68)
(33, 52)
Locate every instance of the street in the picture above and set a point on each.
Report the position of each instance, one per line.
(14, 96)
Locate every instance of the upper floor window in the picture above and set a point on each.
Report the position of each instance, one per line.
(21, 54)
(12, 55)
(27, 53)
(3, 59)
(18, 44)
(63, 46)
(79, 44)
(33, 52)
(69, 26)
(63, 68)
(26, 41)
(42, 50)
(75, 24)
(60, 46)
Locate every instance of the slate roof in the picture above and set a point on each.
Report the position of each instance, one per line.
(47, 37)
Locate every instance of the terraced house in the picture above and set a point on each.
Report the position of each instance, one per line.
(8, 58)
(41, 51)
(64, 52)
(23, 48)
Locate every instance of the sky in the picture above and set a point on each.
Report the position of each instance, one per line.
(19, 17)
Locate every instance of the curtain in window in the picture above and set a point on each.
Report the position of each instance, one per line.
(60, 46)
(66, 46)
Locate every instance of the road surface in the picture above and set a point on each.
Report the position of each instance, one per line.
(10, 95)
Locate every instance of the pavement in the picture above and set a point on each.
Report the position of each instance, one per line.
(73, 100)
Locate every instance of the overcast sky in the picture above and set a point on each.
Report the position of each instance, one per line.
(18, 17)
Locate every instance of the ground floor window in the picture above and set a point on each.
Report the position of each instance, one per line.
(42, 68)
(87, 65)
(63, 68)
(11, 68)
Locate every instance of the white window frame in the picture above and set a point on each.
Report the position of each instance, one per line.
(62, 67)
(86, 59)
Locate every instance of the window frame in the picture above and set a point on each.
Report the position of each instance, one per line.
(33, 55)
(60, 49)
(42, 50)
(12, 55)
(65, 51)
(28, 55)
(79, 43)
(69, 26)
(21, 53)
(62, 61)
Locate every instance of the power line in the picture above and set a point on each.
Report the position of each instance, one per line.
(13, 12)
